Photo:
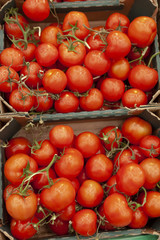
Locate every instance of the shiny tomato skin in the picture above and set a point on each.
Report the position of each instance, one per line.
(7, 85)
(111, 185)
(43, 102)
(105, 225)
(142, 31)
(134, 97)
(152, 206)
(60, 195)
(42, 9)
(41, 180)
(18, 145)
(139, 220)
(99, 167)
(130, 178)
(94, 40)
(150, 146)
(119, 69)
(117, 211)
(79, 222)
(14, 166)
(22, 207)
(28, 52)
(67, 213)
(59, 227)
(49, 35)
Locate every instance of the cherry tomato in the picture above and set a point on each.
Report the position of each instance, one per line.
(8, 78)
(111, 185)
(80, 219)
(152, 206)
(150, 146)
(94, 40)
(117, 21)
(9, 189)
(28, 52)
(41, 180)
(67, 213)
(49, 35)
(41, 6)
(43, 102)
(119, 69)
(134, 97)
(139, 219)
(105, 225)
(59, 227)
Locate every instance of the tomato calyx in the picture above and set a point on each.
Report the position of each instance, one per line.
(141, 57)
(152, 151)
(36, 146)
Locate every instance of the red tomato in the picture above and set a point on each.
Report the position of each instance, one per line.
(66, 103)
(134, 97)
(139, 219)
(111, 137)
(15, 165)
(8, 78)
(61, 136)
(18, 145)
(137, 52)
(43, 102)
(49, 35)
(79, 78)
(117, 21)
(9, 189)
(28, 52)
(80, 219)
(59, 226)
(152, 206)
(94, 40)
(130, 178)
(142, 31)
(67, 213)
(78, 19)
(105, 225)
(137, 153)
(118, 45)
(82, 176)
(32, 72)
(112, 89)
(93, 101)
(87, 143)
(99, 168)
(150, 146)
(41, 180)
(75, 182)
(54, 81)
(70, 164)
(42, 9)
(20, 100)
(135, 128)
(71, 53)
(111, 185)
(97, 62)
(151, 167)
(143, 77)
(23, 229)
(22, 207)
(119, 69)
(90, 194)
(46, 54)
(60, 195)
(117, 211)
(12, 57)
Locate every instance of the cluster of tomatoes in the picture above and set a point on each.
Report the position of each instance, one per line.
(83, 183)
(72, 66)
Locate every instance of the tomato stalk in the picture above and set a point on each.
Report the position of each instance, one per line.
(141, 57)
(151, 58)
(134, 205)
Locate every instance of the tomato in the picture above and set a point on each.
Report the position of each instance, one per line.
(66, 103)
(18, 145)
(117, 21)
(152, 206)
(78, 19)
(12, 57)
(79, 79)
(90, 194)
(137, 52)
(94, 40)
(67, 213)
(82, 176)
(112, 89)
(9, 189)
(118, 45)
(117, 211)
(8, 78)
(43, 152)
(99, 168)
(97, 62)
(32, 71)
(49, 35)
(150, 146)
(135, 128)
(80, 219)
(139, 219)
(41, 180)
(93, 101)
(75, 182)
(70, 164)
(20, 100)
(87, 143)
(15, 165)
(60, 195)
(111, 137)
(23, 229)
(71, 53)
(61, 136)
(28, 52)
(134, 97)
(151, 167)
(46, 54)
(42, 9)
(119, 69)
(130, 178)
(59, 226)
(54, 81)
(22, 207)
(143, 77)
(104, 224)
(124, 157)
(12, 29)
(43, 102)
(142, 31)
(111, 185)
(137, 153)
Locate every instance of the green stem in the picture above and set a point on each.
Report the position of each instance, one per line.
(151, 58)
